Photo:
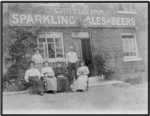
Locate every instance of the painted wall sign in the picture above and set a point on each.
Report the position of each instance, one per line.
(68, 17)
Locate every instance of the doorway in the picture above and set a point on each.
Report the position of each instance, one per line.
(82, 46)
(86, 51)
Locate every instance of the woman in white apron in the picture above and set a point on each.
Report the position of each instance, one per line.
(49, 77)
(82, 73)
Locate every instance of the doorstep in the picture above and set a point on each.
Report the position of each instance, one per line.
(95, 81)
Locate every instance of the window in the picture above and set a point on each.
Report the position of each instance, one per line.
(126, 8)
(51, 45)
(130, 51)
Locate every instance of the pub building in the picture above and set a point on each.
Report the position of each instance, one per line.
(90, 30)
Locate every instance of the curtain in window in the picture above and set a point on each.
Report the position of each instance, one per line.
(129, 47)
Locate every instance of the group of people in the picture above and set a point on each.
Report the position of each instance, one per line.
(44, 78)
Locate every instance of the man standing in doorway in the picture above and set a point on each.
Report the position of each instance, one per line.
(71, 60)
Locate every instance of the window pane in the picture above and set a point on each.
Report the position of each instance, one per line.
(41, 40)
(50, 40)
(41, 49)
(59, 48)
(126, 45)
(132, 45)
(40, 45)
(41, 52)
(51, 50)
(58, 40)
(129, 47)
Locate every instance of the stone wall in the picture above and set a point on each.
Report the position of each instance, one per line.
(108, 41)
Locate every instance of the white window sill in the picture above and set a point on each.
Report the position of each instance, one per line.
(126, 12)
(55, 60)
(132, 59)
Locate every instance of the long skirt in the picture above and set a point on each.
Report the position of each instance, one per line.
(62, 84)
(38, 66)
(81, 83)
(51, 83)
(37, 85)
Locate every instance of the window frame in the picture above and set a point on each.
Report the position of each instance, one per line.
(126, 12)
(131, 58)
(62, 43)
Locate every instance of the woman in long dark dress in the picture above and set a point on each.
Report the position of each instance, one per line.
(33, 77)
(62, 81)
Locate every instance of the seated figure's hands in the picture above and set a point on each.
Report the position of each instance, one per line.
(81, 72)
(60, 75)
(48, 74)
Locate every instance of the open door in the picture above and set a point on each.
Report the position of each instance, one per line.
(86, 51)
(82, 45)
(87, 54)
(78, 48)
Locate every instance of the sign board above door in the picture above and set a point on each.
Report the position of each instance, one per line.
(80, 35)
(70, 17)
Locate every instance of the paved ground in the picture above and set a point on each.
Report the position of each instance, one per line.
(103, 99)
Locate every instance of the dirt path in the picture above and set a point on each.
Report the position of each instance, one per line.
(100, 99)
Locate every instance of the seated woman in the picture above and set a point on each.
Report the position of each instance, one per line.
(82, 73)
(49, 77)
(62, 81)
(32, 76)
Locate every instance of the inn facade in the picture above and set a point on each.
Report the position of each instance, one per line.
(109, 29)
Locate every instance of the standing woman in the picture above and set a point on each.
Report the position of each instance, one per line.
(62, 81)
(37, 59)
(49, 77)
(32, 76)
(82, 73)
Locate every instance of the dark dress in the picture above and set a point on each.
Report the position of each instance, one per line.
(37, 84)
(62, 81)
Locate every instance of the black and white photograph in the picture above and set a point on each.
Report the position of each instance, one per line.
(76, 57)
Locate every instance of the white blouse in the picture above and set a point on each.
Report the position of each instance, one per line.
(47, 71)
(71, 57)
(32, 72)
(37, 58)
(83, 71)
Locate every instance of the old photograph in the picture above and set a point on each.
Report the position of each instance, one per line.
(74, 57)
